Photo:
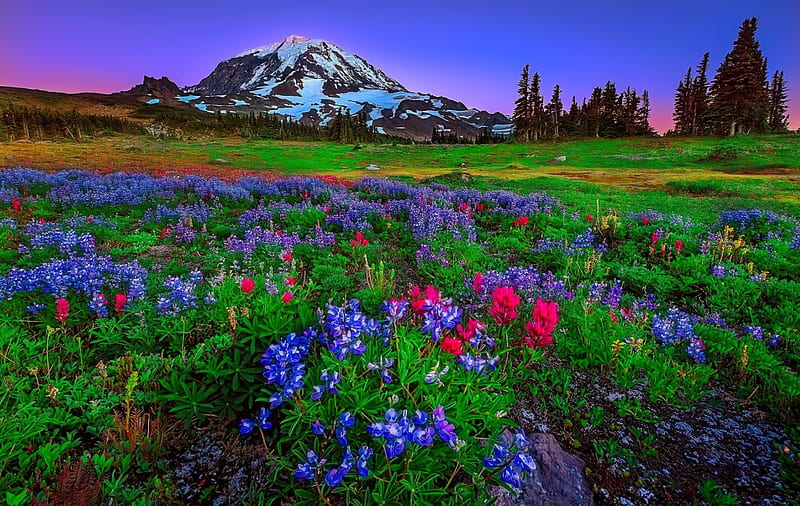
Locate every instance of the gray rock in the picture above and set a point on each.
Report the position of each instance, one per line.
(561, 158)
(221, 161)
(558, 479)
(372, 167)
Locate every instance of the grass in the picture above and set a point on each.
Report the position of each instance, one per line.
(131, 394)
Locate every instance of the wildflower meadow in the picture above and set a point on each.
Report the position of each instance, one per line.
(316, 340)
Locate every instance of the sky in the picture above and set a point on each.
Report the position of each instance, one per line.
(469, 51)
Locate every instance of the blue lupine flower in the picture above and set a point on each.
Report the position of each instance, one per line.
(263, 419)
(318, 428)
(306, 470)
(524, 462)
(384, 365)
(516, 467)
(364, 453)
(395, 309)
(696, 351)
(424, 437)
(510, 475)
(246, 426)
(341, 435)
(35, 308)
(283, 365)
(674, 326)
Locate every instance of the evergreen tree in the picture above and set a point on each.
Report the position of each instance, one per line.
(778, 119)
(699, 99)
(591, 112)
(682, 115)
(609, 124)
(643, 116)
(570, 124)
(739, 101)
(554, 111)
(537, 107)
(628, 113)
(521, 118)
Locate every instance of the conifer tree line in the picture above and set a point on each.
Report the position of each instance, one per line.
(30, 123)
(450, 136)
(739, 99)
(607, 113)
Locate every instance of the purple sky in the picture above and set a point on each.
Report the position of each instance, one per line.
(468, 51)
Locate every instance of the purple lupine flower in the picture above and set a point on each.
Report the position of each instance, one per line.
(318, 428)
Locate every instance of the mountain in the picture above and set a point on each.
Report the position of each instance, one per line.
(310, 80)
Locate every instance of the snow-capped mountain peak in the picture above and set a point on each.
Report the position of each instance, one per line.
(281, 66)
(310, 80)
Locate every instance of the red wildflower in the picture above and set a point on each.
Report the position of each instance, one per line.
(544, 321)
(654, 237)
(287, 256)
(359, 240)
(480, 207)
(291, 281)
(468, 333)
(613, 318)
(452, 345)
(248, 285)
(165, 232)
(432, 294)
(477, 283)
(522, 221)
(645, 221)
(678, 246)
(415, 292)
(17, 205)
(589, 217)
(504, 305)
(287, 297)
(62, 310)
(119, 302)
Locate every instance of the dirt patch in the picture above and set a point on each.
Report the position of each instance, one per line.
(664, 456)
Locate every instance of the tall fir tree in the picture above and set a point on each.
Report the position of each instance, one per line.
(554, 111)
(627, 115)
(570, 124)
(643, 126)
(609, 123)
(521, 118)
(682, 115)
(739, 100)
(537, 107)
(699, 99)
(778, 118)
(592, 113)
